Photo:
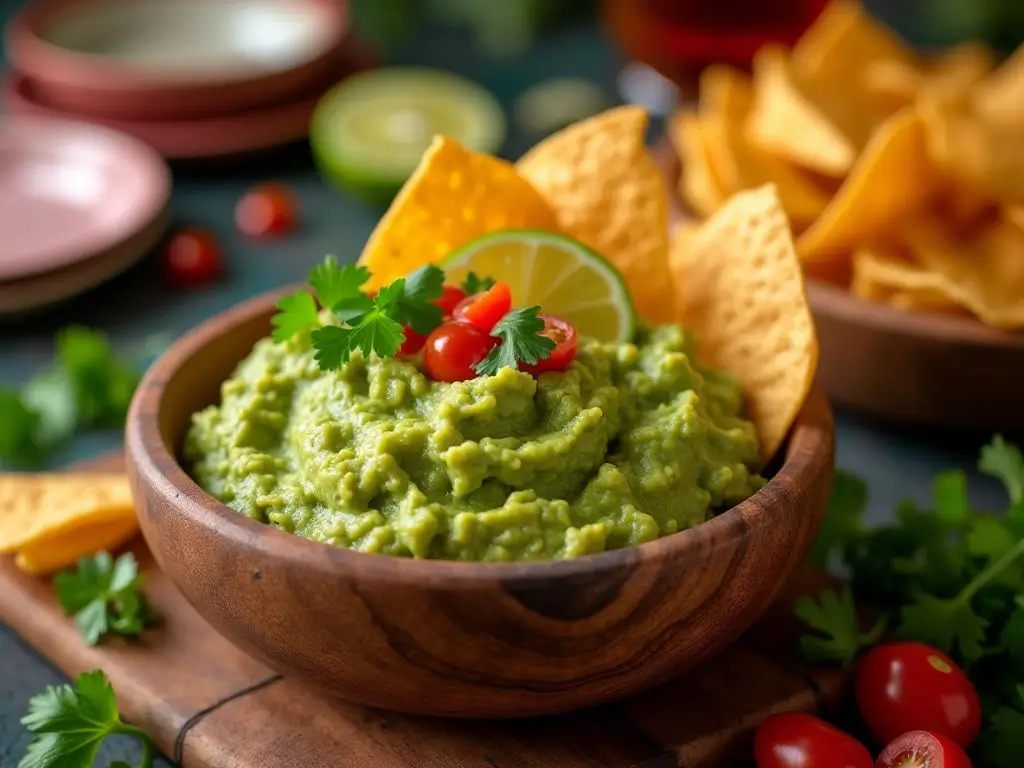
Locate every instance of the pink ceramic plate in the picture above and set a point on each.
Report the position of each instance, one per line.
(71, 191)
(247, 131)
(174, 59)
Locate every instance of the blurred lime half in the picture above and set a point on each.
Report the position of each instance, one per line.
(369, 132)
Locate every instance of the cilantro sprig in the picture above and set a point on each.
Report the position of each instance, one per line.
(71, 723)
(522, 341)
(834, 618)
(475, 283)
(104, 596)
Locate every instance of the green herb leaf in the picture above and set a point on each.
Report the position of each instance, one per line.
(1003, 461)
(844, 518)
(103, 596)
(18, 443)
(522, 341)
(103, 386)
(834, 617)
(374, 331)
(296, 312)
(946, 624)
(1012, 638)
(949, 490)
(1004, 740)
(334, 284)
(476, 284)
(415, 305)
(70, 724)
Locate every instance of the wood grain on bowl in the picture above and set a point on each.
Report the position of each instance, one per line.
(450, 638)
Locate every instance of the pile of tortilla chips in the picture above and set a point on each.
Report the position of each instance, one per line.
(736, 280)
(902, 174)
(50, 520)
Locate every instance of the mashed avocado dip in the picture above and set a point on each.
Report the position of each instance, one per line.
(631, 442)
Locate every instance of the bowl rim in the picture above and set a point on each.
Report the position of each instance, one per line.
(807, 452)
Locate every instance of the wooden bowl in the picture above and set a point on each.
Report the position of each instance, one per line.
(913, 368)
(174, 59)
(451, 638)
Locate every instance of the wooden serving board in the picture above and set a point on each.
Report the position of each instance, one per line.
(208, 705)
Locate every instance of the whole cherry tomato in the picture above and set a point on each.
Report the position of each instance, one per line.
(484, 310)
(921, 749)
(192, 258)
(453, 348)
(413, 343)
(913, 687)
(795, 740)
(564, 336)
(450, 299)
(267, 210)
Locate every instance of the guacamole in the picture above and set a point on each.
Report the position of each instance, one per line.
(631, 442)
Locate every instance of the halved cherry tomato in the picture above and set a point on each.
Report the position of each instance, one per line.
(267, 210)
(921, 749)
(453, 348)
(913, 687)
(484, 310)
(413, 343)
(795, 740)
(192, 258)
(450, 299)
(564, 336)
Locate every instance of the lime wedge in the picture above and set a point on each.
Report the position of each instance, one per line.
(562, 275)
(369, 131)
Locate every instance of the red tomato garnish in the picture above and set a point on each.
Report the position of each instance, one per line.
(921, 749)
(484, 310)
(452, 349)
(913, 687)
(450, 299)
(192, 258)
(413, 343)
(266, 211)
(564, 336)
(795, 740)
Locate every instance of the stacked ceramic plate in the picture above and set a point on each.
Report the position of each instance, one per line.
(191, 79)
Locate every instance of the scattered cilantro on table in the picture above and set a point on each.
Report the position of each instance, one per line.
(521, 342)
(104, 595)
(70, 724)
(950, 576)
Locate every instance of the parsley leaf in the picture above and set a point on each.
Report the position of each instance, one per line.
(103, 386)
(1013, 636)
(334, 284)
(949, 491)
(371, 328)
(70, 724)
(844, 518)
(18, 443)
(1004, 740)
(945, 624)
(522, 341)
(296, 312)
(1003, 461)
(103, 595)
(476, 284)
(834, 617)
(415, 304)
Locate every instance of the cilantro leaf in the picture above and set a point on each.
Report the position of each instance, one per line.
(20, 422)
(1012, 637)
(1004, 740)
(52, 396)
(476, 284)
(103, 595)
(103, 386)
(834, 617)
(949, 491)
(946, 624)
(415, 304)
(371, 328)
(843, 519)
(522, 341)
(991, 539)
(1003, 461)
(70, 724)
(296, 312)
(334, 284)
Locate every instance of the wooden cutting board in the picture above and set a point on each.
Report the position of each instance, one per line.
(208, 705)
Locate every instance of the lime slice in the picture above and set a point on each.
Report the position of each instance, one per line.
(369, 132)
(562, 275)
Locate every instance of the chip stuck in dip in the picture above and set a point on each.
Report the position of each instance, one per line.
(506, 403)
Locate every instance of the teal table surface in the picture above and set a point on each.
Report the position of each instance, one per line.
(137, 305)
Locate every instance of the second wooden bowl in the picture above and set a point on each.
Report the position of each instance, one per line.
(451, 638)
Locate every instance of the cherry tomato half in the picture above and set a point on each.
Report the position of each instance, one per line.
(267, 210)
(452, 349)
(484, 310)
(795, 740)
(913, 687)
(413, 343)
(921, 749)
(564, 336)
(450, 299)
(192, 258)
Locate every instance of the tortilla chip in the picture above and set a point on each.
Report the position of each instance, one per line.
(606, 191)
(877, 274)
(725, 92)
(698, 185)
(1014, 214)
(828, 63)
(742, 292)
(38, 507)
(948, 76)
(890, 182)
(62, 551)
(1000, 98)
(925, 300)
(453, 196)
(741, 165)
(784, 122)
